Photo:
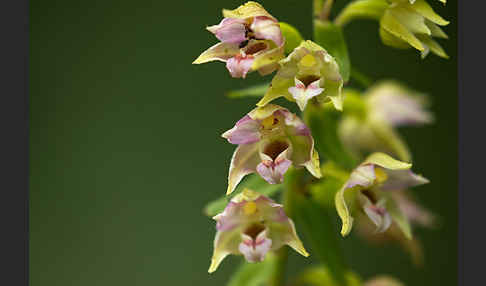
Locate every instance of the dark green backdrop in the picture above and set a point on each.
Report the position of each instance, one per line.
(125, 142)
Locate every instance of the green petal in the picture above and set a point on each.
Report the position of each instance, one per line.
(387, 162)
(434, 46)
(278, 88)
(218, 52)
(313, 166)
(266, 62)
(399, 218)
(414, 22)
(436, 30)
(424, 9)
(263, 112)
(343, 211)
(333, 90)
(247, 10)
(244, 161)
(225, 243)
(393, 26)
(390, 40)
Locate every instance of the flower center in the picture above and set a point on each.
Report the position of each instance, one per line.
(381, 175)
(308, 79)
(253, 49)
(308, 61)
(275, 148)
(269, 122)
(254, 230)
(370, 195)
(249, 208)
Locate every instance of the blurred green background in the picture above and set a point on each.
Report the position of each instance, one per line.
(125, 142)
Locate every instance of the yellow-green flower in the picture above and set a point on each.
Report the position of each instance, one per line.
(413, 23)
(270, 139)
(308, 72)
(370, 119)
(370, 187)
(252, 225)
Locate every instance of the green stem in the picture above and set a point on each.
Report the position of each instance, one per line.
(317, 224)
(278, 276)
(322, 9)
(361, 9)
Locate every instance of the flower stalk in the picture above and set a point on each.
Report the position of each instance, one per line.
(349, 133)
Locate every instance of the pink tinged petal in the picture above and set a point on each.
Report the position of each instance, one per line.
(378, 215)
(363, 175)
(244, 161)
(229, 218)
(230, 30)
(412, 210)
(245, 131)
(255, 249)
(402, 179)
(268, 29)
(302, 94)
(399, 109)
(239, 65)
(303, 152)
(274, 162)
(273, 172)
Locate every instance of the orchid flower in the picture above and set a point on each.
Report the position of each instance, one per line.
(413, 23)
(270, 139)
(252, 225)
(372, 118)
(370, 184)
(250, 40)
(308, 72)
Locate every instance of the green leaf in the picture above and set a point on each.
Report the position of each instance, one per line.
(361, 9)
(331, 38)
(252, 91)
(323, 122)
(254, 274)
(253, 182)
(292, 36)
